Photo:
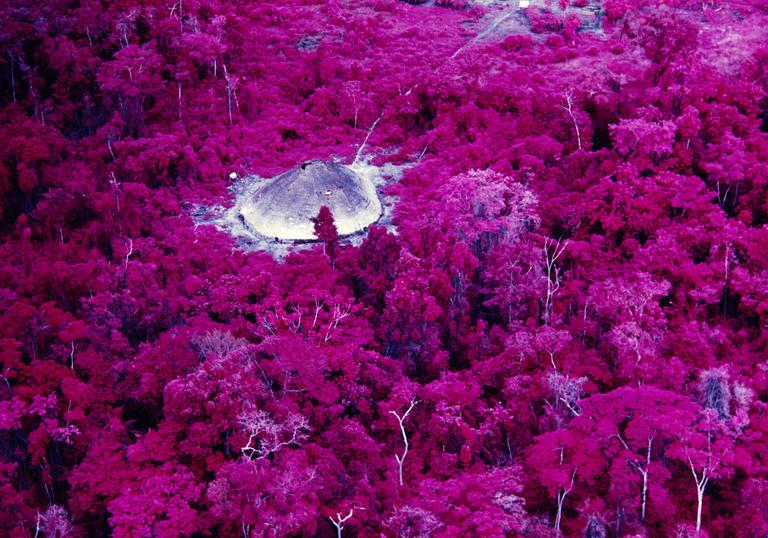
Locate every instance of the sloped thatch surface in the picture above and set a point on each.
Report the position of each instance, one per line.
(283, 208)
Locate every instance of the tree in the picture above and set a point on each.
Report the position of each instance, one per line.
(707, 450)
(266, 436)
(131, 78)
(631, 422)
(401, 458)
(562, 460)
(482, 208)
(633, 307)
(161, 505)
(339, 521)
(325, 231)
(375, 263)
(552, 252)
(54, 522)
(410, 325)
(278, 496)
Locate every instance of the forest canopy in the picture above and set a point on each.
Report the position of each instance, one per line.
(559, 329)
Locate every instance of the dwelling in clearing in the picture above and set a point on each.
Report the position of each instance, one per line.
(284, 207)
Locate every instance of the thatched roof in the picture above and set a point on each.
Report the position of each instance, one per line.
(283, 208)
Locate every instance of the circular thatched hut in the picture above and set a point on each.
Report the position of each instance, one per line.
(284, 207)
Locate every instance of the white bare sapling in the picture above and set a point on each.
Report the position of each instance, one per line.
(400, 459)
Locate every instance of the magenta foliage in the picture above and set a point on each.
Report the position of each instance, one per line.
(557, 328)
